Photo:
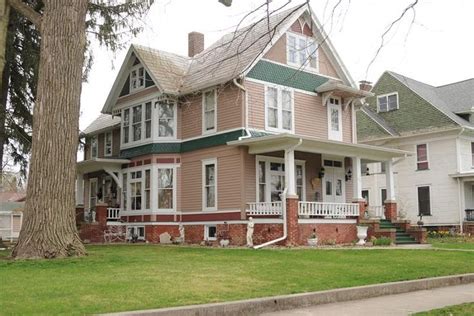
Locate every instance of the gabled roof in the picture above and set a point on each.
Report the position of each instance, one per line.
(459, 95)
(438, 98)
(102, 123)
(380, 121)
(230, 57)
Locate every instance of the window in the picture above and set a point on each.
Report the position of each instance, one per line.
(387, 102)
(126, 126)
(383, 195)
(209, 111)
(94, 148)
(210, 232)
(124, 190)
(279, 109)
(299, 182)
(136, 232)
(365, 196)
(147, 189)
(108, 144)
(165, 188)
(334, 119)
(382, 167)
(209, 185)
(262, 182)
(422, 157)
(137, 78)
(166, 118)
(424, 205)
(148, 120)
(137, 123)
(136, 190)
(472, 154)
(302, 51)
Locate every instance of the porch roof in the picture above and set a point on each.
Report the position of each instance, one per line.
(98, 164)
(466, 174)
(337, 88)
(278, 142)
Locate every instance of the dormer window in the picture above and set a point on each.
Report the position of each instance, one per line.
(387, 102)
(302, 51)
(137, 77)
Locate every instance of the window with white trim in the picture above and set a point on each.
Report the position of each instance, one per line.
(302, 51)
(136, 190)
(126, 126)
(209, 184)
(124, 190)
(166, 188)
(210, 232)
(279, 109)
(147, 189)
(108, 144)
(422, 157)
(424, 204)
(94, 147)
(166, 118)
(148, 120)
(137, 232)
(334, 119)
(472, 154)
(387, 102)
(137, 78)
(137, 123)
(209, 104)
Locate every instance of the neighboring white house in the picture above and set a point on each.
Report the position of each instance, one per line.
(435, 123)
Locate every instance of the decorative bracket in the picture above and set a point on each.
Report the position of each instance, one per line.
(326, 97)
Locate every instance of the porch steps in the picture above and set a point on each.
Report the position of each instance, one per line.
(401, 238)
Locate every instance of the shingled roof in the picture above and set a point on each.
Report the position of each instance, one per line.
(101, 123)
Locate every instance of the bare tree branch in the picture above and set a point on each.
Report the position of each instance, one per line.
(27, 11)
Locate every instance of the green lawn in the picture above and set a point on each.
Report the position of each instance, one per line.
(453, 242)
(456, 310)
(130, 277)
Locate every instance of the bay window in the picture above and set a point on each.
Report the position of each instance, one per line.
(136, 190)
(279, 109)
(166, 118)
(302, 51)
(165, 188)
(137, 123)
(125, 126)
(209, 185)
(209, 116)
(148, 120)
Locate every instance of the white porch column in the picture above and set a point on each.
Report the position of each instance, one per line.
(80, 189)
(356, 179)
(290, 172)
(390, 183)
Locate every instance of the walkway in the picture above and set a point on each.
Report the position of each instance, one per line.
(399, 304)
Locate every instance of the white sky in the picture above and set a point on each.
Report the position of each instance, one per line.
(437, 49)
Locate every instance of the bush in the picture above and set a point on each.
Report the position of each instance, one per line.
(438, 234)
(382, 241)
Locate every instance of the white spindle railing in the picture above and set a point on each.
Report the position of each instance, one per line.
(113, 213)
(328, 210)
(265, 208)
(376, 211)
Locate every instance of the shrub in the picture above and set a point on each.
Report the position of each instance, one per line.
(382, 241)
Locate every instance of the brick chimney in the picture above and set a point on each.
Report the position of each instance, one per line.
(195, 43)
(365, 85)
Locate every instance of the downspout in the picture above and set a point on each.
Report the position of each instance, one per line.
(283, 198)
(246, 128)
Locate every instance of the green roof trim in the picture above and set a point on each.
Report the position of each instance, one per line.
(190, 145)
(286, 76)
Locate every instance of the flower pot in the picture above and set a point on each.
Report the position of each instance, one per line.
(224, 242)
(362, 234)
(313, 242)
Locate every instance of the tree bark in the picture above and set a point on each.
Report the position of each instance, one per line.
(5, 13)
(49, 228)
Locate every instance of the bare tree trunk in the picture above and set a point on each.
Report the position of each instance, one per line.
(4, 17)
(49, 228)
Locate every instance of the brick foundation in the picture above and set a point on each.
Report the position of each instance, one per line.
(419, 233)
(292, 221)
(328, 233)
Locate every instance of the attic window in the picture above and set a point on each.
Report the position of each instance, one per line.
(387, 102)
(301, 51)
(137, 78)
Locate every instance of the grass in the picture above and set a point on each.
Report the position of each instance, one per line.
(131, 277)
(453, 242)
(455, 310)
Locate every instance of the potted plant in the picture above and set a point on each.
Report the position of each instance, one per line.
(313, 239)
(362, 234)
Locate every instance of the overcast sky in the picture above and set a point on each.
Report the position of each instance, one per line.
(438, 48)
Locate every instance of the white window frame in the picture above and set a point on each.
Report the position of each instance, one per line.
(155, 187)
(306, 64)
(106, 147)
(94, 146)
(472, 154)
(175, 121)
(203, 106)
(96, 181)
(386, 96)
(334, 135)
(129, 189)
(137, 69)
(206, 233)
(136, 227)
(279, 128)
(418, 200)
(423, 161)
(205, 163)
(268, 160)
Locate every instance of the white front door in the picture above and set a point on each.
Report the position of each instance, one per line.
(334, 181)
(334, 119)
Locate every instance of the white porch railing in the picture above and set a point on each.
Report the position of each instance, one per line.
(113, 213)
(376, 211)
(328, 210)
(265, 208)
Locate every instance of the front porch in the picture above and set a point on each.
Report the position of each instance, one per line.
(306, 210)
